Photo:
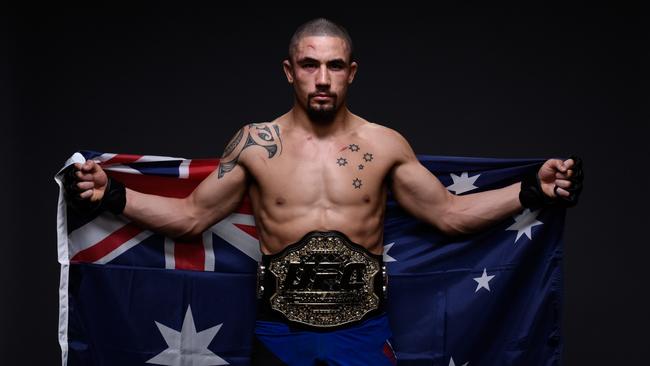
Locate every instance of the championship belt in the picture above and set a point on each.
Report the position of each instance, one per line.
(323, 281)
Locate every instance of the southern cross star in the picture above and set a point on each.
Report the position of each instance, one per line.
(483, 281)
(387, 257)
(463, 183)
(524, 223)
(452, 363)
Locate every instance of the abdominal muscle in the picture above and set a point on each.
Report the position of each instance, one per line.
(280, 224)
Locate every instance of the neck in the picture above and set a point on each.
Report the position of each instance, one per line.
(340, 124)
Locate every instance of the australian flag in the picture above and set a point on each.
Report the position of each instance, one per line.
(130, 296)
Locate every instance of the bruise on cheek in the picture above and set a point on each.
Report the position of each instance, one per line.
(343, 148)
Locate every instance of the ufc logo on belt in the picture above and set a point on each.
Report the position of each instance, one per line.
(325, 276)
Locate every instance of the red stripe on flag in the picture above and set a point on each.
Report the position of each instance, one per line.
(245, 207)
(189, 255)
(155, 184)
(108, 244)
(122, 159)
(201, 168)
(251, 230)
(388, 351)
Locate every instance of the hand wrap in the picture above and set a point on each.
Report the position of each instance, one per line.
(532, 196)
(114, 199)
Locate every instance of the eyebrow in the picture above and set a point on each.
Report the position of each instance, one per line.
(336, 61)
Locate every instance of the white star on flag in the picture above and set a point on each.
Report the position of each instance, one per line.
(463, 183)
(483, 281)
(187, 347)
(524, 222)
(388, 258)
(452, 363)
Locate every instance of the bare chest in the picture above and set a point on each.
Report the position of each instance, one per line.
(338, 172)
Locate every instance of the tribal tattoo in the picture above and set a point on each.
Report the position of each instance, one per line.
(259, 130)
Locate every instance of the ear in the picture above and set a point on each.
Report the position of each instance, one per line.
(353, 72)
(288, 70)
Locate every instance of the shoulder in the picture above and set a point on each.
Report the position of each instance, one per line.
(391, 140)
(263, 134)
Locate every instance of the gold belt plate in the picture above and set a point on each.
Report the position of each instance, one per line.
(325, 282)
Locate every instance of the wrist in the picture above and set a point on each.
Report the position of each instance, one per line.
(114, 199)
(531, 194)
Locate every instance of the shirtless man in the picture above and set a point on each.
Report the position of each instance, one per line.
(317, 177)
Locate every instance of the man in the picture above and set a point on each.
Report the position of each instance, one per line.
(318, 177)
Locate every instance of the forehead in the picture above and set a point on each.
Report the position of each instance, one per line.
(322, 48)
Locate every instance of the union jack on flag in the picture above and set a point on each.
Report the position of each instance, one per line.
(130, 296)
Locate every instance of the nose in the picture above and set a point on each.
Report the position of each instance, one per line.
(323, 77)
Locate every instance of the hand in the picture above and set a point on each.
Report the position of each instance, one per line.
(554, 177)
(556, 183)
(90, 181)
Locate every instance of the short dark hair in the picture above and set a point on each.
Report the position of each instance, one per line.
(319, 27)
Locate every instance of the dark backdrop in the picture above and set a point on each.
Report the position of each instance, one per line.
(467, 82)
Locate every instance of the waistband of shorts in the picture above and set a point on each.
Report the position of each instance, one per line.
(271, 321)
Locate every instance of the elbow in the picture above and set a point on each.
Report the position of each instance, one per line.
(448, 222)
(450, 228)
(192, 227)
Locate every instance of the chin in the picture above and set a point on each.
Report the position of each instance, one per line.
(321, 115)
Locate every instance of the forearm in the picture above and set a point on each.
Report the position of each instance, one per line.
(474, 212)
(166, 215)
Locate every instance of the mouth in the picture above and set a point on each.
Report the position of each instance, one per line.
(322, 96)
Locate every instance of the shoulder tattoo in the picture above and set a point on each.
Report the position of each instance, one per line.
(253, 134)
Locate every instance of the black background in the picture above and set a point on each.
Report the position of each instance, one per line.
(467, 81)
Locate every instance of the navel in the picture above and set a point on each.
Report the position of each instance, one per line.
(366, 198)
(280, 201)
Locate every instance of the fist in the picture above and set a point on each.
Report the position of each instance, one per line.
(89, 181)
(557, 177)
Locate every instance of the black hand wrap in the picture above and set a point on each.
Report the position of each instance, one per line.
(114, 199)
(532, 196)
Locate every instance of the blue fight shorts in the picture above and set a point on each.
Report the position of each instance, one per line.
(363, 344)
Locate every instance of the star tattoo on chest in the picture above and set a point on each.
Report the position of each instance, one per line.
(367, 157)
(356, 183)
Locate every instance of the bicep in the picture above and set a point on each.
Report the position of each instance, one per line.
(222, 191)
(420, 193)
(416, 189)
(216, 197)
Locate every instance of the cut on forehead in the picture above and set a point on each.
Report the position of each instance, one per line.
(320, 27)
(322, 48)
